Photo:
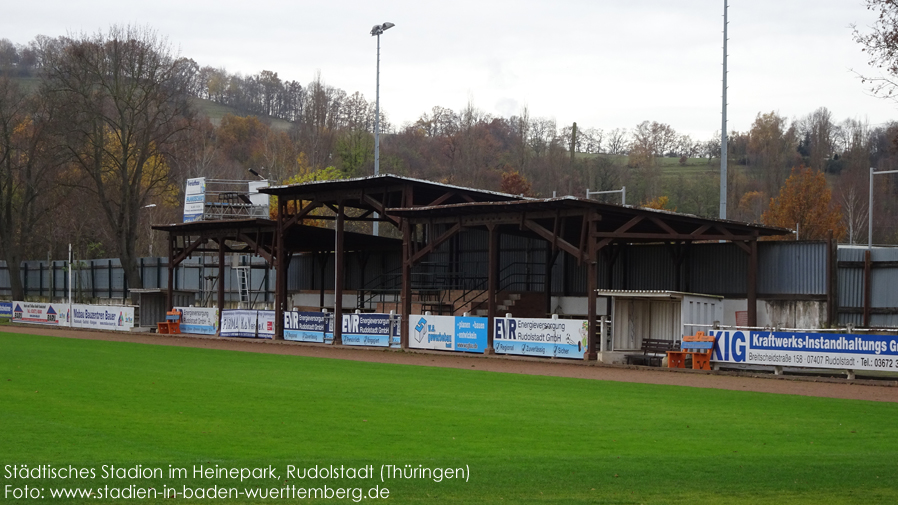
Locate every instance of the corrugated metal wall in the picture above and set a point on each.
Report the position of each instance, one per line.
(883, 285)
(795, 268)
(785, 269)
(104, 279)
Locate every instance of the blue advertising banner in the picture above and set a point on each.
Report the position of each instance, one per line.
(813, 350)
(448, 333)
(368, 330)
(551, 338)
(6, 310)
(308, 327)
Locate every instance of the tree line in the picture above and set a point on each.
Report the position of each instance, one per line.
(98, 134)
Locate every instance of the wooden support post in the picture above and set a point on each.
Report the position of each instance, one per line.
(492, 285)
(280, 272)
(547, 288)
(752, 282)
(592, 270)
(338, 278)
(221, 279)
(831, 279)
(171, 273)
(406, 292)
(868, 288)
(322, 266)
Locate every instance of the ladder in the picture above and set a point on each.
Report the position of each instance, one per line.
(243, 284)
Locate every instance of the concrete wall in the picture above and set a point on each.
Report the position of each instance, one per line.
(803, 314)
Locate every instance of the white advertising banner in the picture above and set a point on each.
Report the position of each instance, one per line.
(199, 320)
(238, 323)
(448, 333)
(49, 314)
(102, 317)
(265, 324)
(194, 199)
(550, 338)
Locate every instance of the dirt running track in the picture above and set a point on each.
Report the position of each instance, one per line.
(875, 390)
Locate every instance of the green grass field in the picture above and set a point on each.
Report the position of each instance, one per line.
(525, 439)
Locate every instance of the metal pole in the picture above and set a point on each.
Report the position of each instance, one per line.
(622, 191)
(870, 205)
(376, 227)
(71, 315)
(870, 214)
(723, 127)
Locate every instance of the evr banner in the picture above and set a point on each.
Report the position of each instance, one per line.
(551, 338)
(199, 320)
(375, 330)
(308, 327)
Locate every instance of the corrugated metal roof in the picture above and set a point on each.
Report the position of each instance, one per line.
(375, 182)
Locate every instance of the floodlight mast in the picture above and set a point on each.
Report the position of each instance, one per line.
(377, 31)
(723, 126)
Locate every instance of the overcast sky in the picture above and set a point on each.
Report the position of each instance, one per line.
(604, 64)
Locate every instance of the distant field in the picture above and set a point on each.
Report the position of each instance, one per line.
(216, 111)
(525, 439)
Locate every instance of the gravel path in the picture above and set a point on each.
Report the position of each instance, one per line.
(875, 390)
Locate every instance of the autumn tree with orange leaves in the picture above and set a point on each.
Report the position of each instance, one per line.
(805, 202)
(514, 183)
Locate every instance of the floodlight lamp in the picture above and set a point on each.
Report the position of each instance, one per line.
(378, 29)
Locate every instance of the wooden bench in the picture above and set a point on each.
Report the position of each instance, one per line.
(172, 324)
(653, 351)
(699, 346)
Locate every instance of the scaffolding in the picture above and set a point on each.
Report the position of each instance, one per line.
(220, 199)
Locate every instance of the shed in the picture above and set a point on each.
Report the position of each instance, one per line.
(152, 304)
(666, 315)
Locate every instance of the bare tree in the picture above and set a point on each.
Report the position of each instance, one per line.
(28, 177)
(881, 46)
(124, 99)
(618, 140)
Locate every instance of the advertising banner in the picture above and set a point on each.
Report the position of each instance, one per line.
(558, 338)
(102, 317)
(238, 323)
(812, 350)
(368, 330)
(265, 324)
(448, 333)
(6, 310)
(199, 320)
(194, 199)
(308, 327)
(40, 313)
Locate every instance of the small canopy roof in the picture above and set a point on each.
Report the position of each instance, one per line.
(387, 190)
(300, 238)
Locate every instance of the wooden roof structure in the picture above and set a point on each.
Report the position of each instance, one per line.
(581, 228)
